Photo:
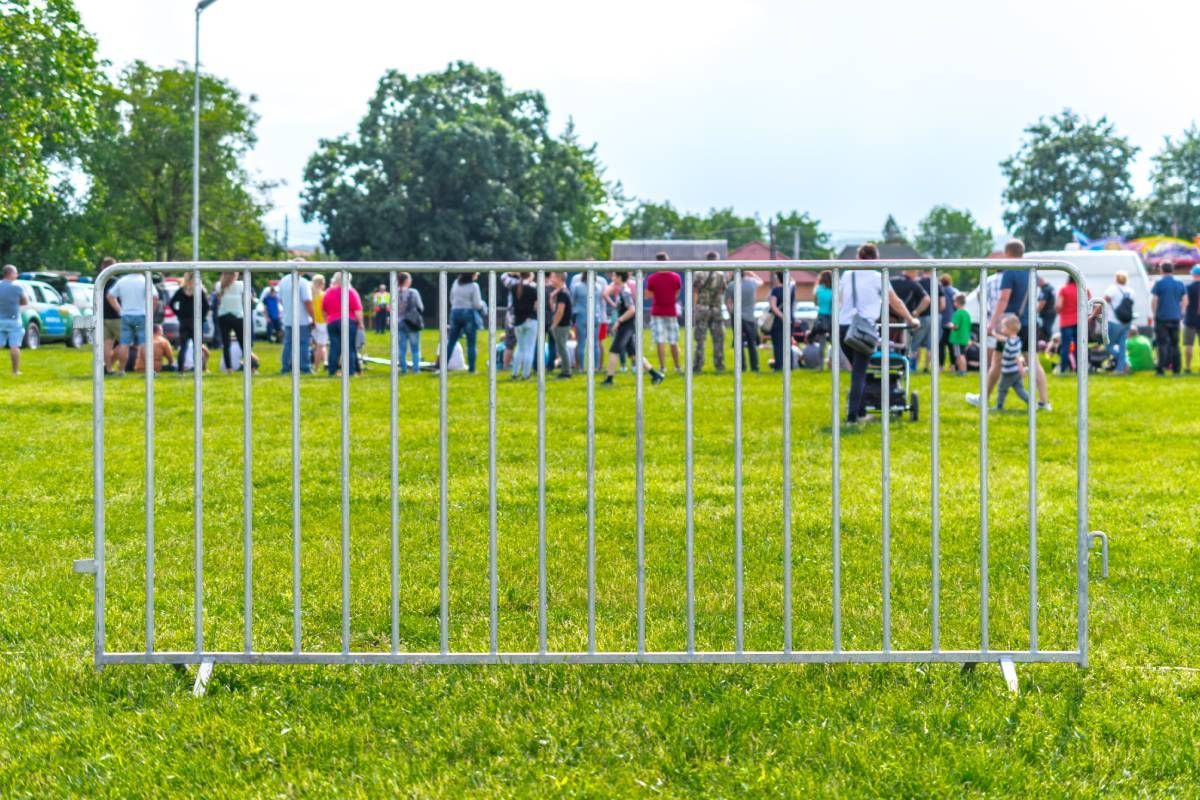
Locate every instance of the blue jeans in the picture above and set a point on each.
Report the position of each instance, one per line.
(526, 345)
(335, 346)
(1117, 331)
(463, 320)
(581, 336)
(1067, 336)
(305, 352)
(409, 340)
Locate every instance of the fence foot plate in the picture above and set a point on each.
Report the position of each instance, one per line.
(1009, 670)
(202, 676)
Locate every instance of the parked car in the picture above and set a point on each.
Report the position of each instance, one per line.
(49, 318)
(164, 315)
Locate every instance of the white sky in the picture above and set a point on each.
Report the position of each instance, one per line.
(849, 110)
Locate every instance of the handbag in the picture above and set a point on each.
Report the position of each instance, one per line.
(413, 319)
(766, 322)
(861, 336)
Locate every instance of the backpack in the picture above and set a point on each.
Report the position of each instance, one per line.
(412, 319)
(1123, 310)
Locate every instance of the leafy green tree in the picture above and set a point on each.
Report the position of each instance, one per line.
(141, 168)
(946, 232)
(1070, 174)
(49, 86)
(814, 242)
(648, 220)
(452, 165)
(1174, 203)
(54, 233)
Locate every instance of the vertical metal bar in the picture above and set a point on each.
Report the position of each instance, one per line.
(935, 356)
(297, 310)
(592, 366)
(348, 355)
(737, 461)
(1031, 316)
(640, 466)
(541, 455)
(835, 366)
(1081, 490)
(689, 460)
(247, 337)
(493, 569)
(394, 439)
(786, 350)
(197, 458)
(98, 367)
(885, 411)
(443, 469)
(984, 324)
(147, 360)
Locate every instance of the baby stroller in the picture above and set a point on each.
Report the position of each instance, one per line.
(901, 399)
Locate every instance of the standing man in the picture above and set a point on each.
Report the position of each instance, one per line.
(749, 289)
(1191, 318)
(664, 317)
(1012, 298)
(923, 336)
(580, 311)
(12, 297)
(1168, 301)
(128, 297)
(112, 324)
(271, 307)
(916, 300)
(708, 294)
(560, 322)
(381, 303)
(1045, 309)
(306, 322)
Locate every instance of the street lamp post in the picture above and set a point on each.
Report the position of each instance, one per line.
(203, 4)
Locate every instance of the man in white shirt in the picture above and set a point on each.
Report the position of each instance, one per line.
(304, 288)
(128, 297)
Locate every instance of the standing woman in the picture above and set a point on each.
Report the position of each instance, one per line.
(466, 304)
(824, 297)
(407, 303)
(779, 336)
(332, 303)
(524, 305)
(1068, 316)
(320, 335)
(862, 295)
(945, 357)
(182, 303)
(230, 315)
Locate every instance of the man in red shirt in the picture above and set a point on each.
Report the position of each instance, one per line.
(664, 317)
(331, 304)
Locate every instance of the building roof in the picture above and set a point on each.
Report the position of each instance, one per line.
(756, 251)
(887, 251)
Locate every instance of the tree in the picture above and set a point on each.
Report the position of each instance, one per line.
(1070, 174)
(141, 168)
(892, 232)
(814, 242)
(1174, 203)
(648, 220)
(49, 85)
(454, 166)
(946, 232)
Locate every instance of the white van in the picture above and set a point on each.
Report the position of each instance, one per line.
(1099, 269)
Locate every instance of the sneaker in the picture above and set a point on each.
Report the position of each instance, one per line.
(563, 376)
(973, 399)
(656, 377)
(608, 381)
(1044, 407)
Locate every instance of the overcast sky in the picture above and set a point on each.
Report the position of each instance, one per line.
(848, 110)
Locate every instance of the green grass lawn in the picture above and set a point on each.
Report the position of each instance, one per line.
(1124, 726)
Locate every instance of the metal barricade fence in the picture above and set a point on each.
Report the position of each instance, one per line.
(206, 657)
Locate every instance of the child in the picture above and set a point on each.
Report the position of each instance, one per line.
(1012, 366)
(960, 333)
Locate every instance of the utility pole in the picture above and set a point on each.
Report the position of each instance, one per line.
(203, 4)
(771, 233)
(796, 244)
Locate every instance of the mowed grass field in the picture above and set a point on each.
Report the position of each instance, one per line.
(1124, 726)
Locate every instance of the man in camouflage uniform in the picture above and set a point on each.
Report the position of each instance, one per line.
(708, 296)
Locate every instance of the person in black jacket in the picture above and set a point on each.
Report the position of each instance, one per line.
(182, 303)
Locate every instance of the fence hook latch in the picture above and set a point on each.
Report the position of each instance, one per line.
(84, 566)
(1103, 538)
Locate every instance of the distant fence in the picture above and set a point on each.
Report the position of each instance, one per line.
(200, 653)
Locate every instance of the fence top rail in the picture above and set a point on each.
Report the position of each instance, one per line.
(274, 267)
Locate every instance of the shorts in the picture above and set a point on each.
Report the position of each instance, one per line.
(133, 329)
(1190, 332)
(622, 339)
(957, 350)
(664, 330)
(11, 333)
(320, 334)
(112, 329)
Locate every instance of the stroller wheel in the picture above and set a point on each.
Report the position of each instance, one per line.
(914, 407)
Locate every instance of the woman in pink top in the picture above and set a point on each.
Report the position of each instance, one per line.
(1068, 317)
(331, 304)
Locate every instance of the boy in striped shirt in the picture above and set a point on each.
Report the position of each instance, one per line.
(1012, 366)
